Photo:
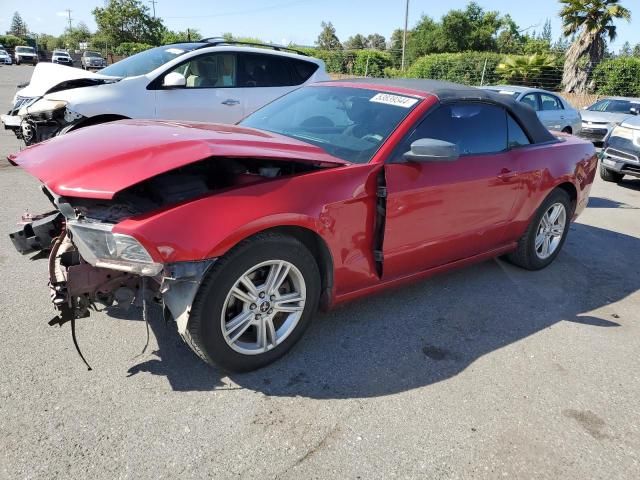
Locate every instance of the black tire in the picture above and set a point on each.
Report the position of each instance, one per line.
(204, 332)
(609, 175)
(567, 130)
(525, 255)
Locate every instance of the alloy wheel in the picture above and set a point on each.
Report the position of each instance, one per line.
(263, 307)
(550, 230)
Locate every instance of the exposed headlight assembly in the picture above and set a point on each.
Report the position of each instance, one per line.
(42, 106)
(100, 247)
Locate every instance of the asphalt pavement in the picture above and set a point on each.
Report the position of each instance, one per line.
(487, 372)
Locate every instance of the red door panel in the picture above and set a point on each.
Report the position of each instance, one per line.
(441, 212)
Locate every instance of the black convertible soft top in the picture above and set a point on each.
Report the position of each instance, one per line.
(448, 92)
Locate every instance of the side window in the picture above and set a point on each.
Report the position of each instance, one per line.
(209, 71)
(476, 128)
(531, 99)
(549, 102)
(517, 137)
(256, 70)
(302, 70)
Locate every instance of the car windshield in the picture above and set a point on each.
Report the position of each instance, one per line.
(614, 106)
(348, 123)
(92, 54)
(147, 61)
(25, 50)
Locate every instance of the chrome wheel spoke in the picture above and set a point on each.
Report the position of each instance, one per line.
(554, 213)
(289, 303)
(277, 276)
(251, 288)
(238, 325)
(242, 296)
(539, 239)
(545, 246)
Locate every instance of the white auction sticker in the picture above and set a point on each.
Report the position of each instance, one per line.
(397, 100)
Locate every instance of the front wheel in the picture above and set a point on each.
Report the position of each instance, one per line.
(544, 237)
(255, 303)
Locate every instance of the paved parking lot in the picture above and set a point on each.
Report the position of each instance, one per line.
(487, 372)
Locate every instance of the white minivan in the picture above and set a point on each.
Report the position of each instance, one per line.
(211, 80)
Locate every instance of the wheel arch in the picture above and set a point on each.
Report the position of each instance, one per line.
(572, 191)
(320, 251)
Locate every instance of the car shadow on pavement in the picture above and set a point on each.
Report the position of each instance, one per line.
(430, 331)
(632, 184)
(598, 202)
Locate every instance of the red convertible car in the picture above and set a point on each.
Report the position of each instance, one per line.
(332, 192)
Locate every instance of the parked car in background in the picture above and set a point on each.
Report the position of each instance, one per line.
(25, 54)
(62, 57)
(92, 60)
(601, 117)
(554, 111)
(621, 151)
(209, 81)
(332, 192)
(5, 58)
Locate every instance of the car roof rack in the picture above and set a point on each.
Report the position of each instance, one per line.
(214, 41)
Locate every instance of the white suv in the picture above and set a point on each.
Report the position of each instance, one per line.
(211, 80)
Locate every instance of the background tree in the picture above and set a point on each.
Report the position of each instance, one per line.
(626, 50)
(189, 35)
(18, 26)
(356, 42)
(72, 37)
(128, 21)
(328, 40)
(470, 29)
(376, 41)
(509, 39)
(636, 50)
(395, 47)
(592, 23)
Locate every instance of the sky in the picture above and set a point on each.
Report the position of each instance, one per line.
(298, 21)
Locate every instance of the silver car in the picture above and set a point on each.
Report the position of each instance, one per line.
(601, 117)
(553, 110)
(621, 151)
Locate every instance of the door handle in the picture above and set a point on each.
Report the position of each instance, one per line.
(505, 174)
(230, 102)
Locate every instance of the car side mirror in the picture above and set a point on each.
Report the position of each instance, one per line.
(174, 80)
(633, 111)
(432, 150)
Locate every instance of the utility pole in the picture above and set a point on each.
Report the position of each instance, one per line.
(153, 2)
(69, 15)
(404, 36)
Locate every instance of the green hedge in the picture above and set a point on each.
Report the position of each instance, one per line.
(353, 62)
(11, 41)
(463, 67)
(618, 76)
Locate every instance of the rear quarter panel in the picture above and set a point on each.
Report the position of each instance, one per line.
(545, 167)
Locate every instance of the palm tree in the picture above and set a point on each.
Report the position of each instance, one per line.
(590, 22)
(533, 71)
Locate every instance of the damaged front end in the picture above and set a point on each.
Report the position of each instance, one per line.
(44, 119)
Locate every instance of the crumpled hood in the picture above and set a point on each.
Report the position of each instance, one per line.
(46, 76)
(601, 117)
(99, 161)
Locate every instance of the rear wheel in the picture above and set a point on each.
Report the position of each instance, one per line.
(609, 175)
(255, 303)
(544, 237)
